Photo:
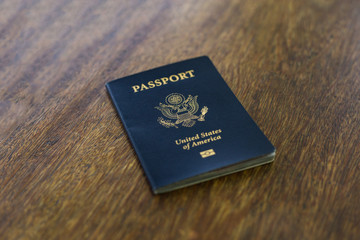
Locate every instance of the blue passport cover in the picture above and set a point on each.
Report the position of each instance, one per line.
(186, 125)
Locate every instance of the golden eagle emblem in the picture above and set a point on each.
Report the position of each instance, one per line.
(181, 110)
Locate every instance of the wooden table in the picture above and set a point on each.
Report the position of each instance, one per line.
(68, 171)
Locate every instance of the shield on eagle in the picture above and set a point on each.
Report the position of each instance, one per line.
(181, 110)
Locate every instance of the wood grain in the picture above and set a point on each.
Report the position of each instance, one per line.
(68, 171)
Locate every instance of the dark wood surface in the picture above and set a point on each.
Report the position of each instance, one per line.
(68, 171)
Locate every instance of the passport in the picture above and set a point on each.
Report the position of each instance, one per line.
(186, 125)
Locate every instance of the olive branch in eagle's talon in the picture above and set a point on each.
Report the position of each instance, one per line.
(166, 123)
